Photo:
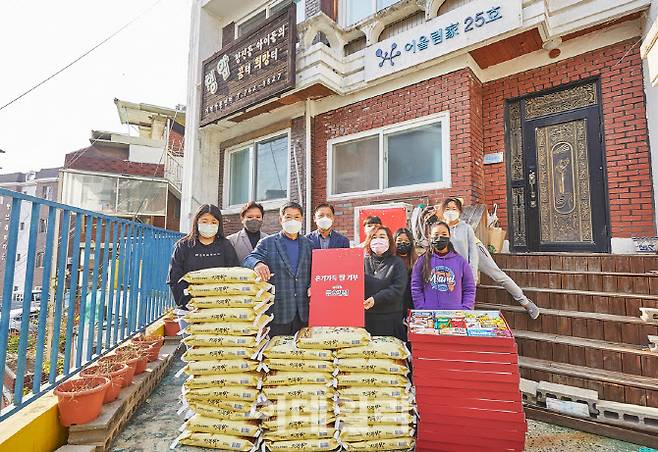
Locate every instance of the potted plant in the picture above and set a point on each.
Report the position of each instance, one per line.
(116, 359)
(144, 348)
(80, 400)
(116, 372)
(150, 339)
(171, 325)
(139, 357)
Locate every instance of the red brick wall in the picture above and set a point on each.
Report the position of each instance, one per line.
(458, 92)
(625, 129)
(176, 141)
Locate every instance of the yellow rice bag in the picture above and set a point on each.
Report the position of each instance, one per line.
(326, 337)
(231, 366)
(249, 379)
(306, 445)
(304, 365)
(370, 366)
(216, 441)
(299, 421)
(350, 433)
(284, 347)
(221, 275)
(230, 328)
(216, 289)
(373, 392)
(359, 419)
(208, 410)
(363, 379)
(282, 378)
(211, 340)
(382, 347)
(315, 432)
(293, 408)
(298, 392)
(231, 301)
(375, 406)
(236, 406)
(239, 393)
(218, 353)
(225, 314)
(382, 444)
(202, 424)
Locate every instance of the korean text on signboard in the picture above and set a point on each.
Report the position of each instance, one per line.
(474, 22)
(253, 68)
(337, 288)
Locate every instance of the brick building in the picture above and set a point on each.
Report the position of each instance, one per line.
(540, 107)
(133, 176)
(41, 184)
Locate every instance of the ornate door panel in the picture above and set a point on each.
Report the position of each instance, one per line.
(557, 190)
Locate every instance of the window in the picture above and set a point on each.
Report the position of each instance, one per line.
(39, 260)
(47, 192)
(258, 171)
(357, 10)
(252, 23)
(43, 225)
(402, 157)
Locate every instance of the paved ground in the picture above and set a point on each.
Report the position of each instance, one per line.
(155, 425)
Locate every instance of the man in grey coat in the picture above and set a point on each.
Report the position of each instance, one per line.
(245, 240)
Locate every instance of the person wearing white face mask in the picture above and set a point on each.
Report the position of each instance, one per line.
(284, 259)
(386, 279)
(204, 247)
(325, 237)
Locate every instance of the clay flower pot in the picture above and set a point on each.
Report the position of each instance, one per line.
(151, 340)
(116, 372)
(115, 359)
(139, 358)
(171, 327)
(80, 400)
(151, 350)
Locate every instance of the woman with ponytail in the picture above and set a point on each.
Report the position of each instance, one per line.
(442, 279)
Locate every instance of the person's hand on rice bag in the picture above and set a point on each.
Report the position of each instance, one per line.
(263, 271)
(369, 303)
(308, 292)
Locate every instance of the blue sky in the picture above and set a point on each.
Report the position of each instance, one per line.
(147, 63)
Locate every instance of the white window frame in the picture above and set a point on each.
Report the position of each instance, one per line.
(442, 117)
(270, 204)
(270, 4)
(344, 7)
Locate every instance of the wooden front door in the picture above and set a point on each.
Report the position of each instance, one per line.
(557, 186)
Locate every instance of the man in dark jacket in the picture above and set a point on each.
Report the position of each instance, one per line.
(284, 259)
(325, 237)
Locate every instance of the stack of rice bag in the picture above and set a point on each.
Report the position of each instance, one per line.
(299, 387)
(226, 330)
(375, 397)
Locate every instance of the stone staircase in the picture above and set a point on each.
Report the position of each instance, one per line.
(590, 334)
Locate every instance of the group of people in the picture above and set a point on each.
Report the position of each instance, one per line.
(396, 277)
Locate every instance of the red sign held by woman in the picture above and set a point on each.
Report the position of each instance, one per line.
(337, 288)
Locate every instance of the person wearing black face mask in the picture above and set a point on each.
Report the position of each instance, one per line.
(245, 240)
(442, 279)
(406, 250)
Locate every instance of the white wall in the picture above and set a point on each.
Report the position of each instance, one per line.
(145, 154)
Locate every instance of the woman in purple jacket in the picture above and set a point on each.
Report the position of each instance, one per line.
(442, 279)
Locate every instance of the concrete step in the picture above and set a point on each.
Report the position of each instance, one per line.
(591, 353)
(611, 385)
(579, 262)
(589, 325)
(622, 304)
(615, 282)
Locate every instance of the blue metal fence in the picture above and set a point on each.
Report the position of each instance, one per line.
(102, 279)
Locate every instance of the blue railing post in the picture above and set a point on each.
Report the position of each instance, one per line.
(107, 261)
(82, 314)
(73, 289)
(94, 289)
(59, 297)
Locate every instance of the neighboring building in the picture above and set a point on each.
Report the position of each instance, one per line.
(137, 177)
(535, 105)
(41, 184)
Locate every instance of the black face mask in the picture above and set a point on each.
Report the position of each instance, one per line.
(440, 243)
(404, 248)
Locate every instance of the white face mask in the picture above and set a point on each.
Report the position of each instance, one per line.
(324, 223)
(292, 226)
(379, 246)
(207, 230)
(451, 215)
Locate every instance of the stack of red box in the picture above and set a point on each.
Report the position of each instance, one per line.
(467, 386)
